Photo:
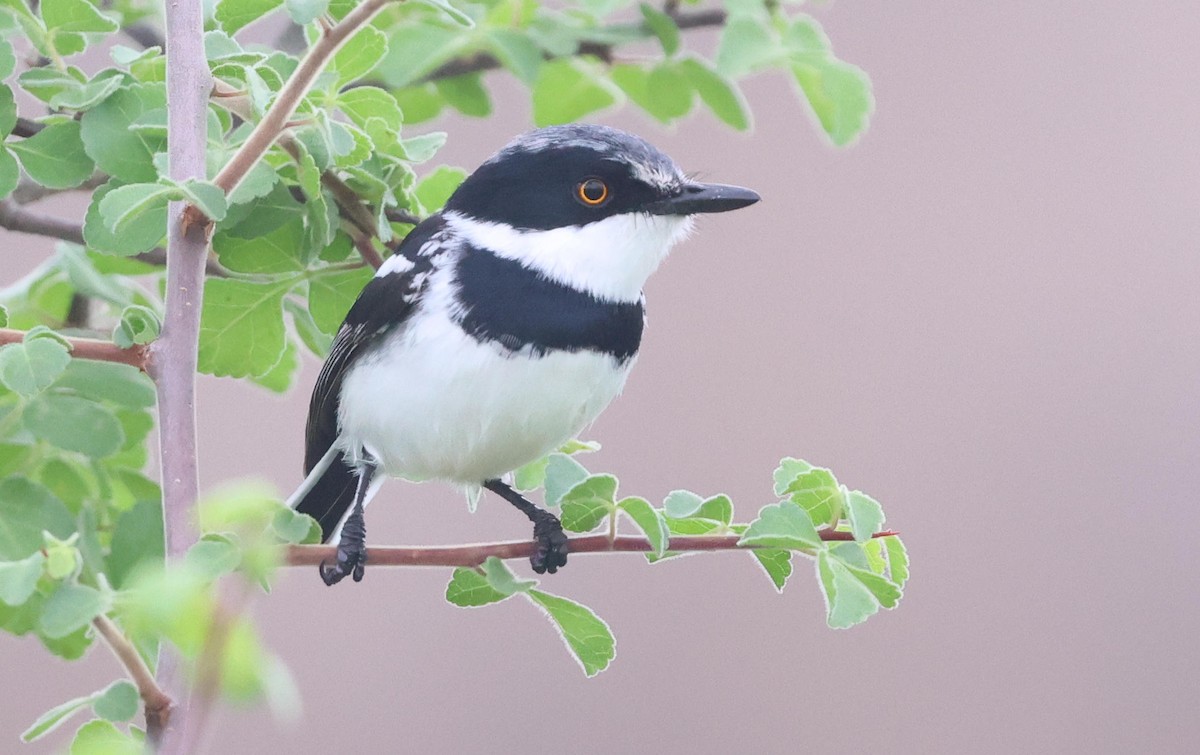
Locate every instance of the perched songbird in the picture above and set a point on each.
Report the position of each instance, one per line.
(502, 326)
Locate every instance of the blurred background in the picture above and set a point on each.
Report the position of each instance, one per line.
(984, 314)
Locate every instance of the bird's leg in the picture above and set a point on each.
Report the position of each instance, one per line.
(352, 547)
(552, 546)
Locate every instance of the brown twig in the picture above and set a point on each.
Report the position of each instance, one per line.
(482, 61)
(26, 127)
(92, 348)
(14, 217)
(277, 116)
(474, 555)
(157, 702)
(28, 191)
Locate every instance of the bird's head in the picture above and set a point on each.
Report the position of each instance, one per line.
(590, 206)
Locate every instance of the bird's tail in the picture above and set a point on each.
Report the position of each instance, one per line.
(327, 493)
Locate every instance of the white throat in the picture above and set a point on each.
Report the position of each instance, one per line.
(610, 259)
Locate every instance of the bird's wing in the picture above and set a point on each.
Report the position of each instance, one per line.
(384, 304)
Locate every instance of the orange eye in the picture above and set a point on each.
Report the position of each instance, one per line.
(592, 192)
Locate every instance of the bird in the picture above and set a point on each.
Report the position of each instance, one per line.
(500, 327)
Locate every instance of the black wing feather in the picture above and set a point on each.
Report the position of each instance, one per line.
(385, 303)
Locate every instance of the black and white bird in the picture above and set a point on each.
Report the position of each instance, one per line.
(501, 327)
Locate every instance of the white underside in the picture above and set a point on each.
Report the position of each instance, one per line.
(435, 404)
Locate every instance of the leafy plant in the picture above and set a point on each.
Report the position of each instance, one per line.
(275, 193)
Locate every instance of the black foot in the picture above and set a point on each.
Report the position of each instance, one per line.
(351, 560)
(552, 545)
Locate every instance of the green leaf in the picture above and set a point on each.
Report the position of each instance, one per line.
(330, 296)
(588, 502)
(137, 537)
(241, 327)
(565, 91)
(718, 508)
(75, 16)
(29, 368)
(466, 94)
(865, 515)
(213, 556)
(138, 325)
(305, 11)
(680, 504)
(10, 172)
(232, 15)
(848, 601)
(649, 520)
(3, 317)
(8, 61)
(897, 557)
(139, 234)
(117, 702)
(746, 45)
(123, 152)
(717, 92)
(663, 27)
(276, 252)
(587, 635)
(839, 95)
(776, 563)
(817, 492)
(107, 381)
(433, 190)
(502, 578)
(280, 377)
(293, 527)
(71, 607)
(18, 579)
(99, 737)
(53, 718)
(8, 110)
(562, 474)
(518, 52)
(787, 472)
(84, 96)
(54, 156)
(206, 196)
(360, 55)
(362, 103)
(125, 204)
(781, 525)
(415, 50)
(418, 149)
(455, 14)
(74, 424)
(469, 588)
(28, 509)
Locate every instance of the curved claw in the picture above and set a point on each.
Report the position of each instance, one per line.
(350, 562)
(552, 545)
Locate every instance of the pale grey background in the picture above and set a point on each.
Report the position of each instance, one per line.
(985, 315)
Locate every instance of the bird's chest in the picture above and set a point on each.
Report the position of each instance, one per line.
(437, 402)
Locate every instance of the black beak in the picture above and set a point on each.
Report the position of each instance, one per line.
(697, 198)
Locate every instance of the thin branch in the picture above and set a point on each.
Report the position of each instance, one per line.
(474, 555)
(29, 191)
(93, 348)
(14, 217)
(275, 120)
(145, 35)
(157, 702)
(175, 352)
(482, 61)
(26, 128)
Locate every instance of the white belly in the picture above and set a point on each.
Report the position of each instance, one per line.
(437, 404)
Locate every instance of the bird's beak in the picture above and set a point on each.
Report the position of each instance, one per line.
(697, 198)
